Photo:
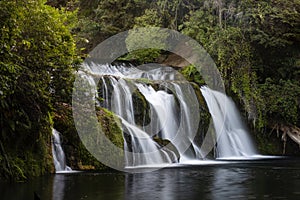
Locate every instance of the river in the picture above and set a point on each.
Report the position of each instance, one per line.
(260, 179)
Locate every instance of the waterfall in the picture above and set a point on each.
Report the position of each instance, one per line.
(147, 151)
(233, 138)
(59, 158)
(159, 111)
(166, 121)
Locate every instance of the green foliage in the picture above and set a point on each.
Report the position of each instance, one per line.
(199, 25)
(255, 45)
(149, 18)
(273, 32)
(138, 41)
(250, 42)
(191, 74)
(273, 23)
(99, 20)
(284, 106)
(115, 16)
(142, 56)
(78, 156)
(37, 61)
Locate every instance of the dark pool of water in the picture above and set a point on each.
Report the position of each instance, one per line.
(271, 179)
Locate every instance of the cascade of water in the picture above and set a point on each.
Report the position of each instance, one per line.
(178, 125)
(121, 100)
(104, 92)
(173, 111)
(164, 119)
(189, 119)
(145, 150)
(58, 153)
(233, 139)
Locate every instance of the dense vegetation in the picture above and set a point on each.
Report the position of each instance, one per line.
(255, 45)
(37, 59)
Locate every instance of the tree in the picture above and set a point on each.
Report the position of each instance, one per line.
(37, 61)
(99, 20)
(256, 48)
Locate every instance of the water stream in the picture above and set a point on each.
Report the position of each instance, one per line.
(156, 101)
(234, 141)
(172, 114)
(59, 157)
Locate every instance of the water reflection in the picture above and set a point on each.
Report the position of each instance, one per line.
(188, 183)
(89, 186)
(236, 181)
(155, 185)
(216, 182)
(58, 187)
(231, 183)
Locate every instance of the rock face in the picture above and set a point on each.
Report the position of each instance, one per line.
(176, 61)
(120, 86)
(153, 100)
(77, 156)
(173, 60)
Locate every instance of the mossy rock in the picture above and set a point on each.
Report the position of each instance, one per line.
(78, 157)
(141, 109)
(166, 144)
(101, 90)
(111, 125)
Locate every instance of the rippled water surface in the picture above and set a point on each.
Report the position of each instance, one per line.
(271, 179)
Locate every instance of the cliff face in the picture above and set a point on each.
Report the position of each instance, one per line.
(78, 157)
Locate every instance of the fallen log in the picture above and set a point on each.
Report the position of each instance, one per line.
(291, 131)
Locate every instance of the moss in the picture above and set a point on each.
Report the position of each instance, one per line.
(101, 91)
(76, 153)
(78, 157)
(111, 125)
(203, 109)
(191, 74)
(144, 80)
(141, 109)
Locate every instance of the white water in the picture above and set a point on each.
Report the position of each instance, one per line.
(189, 120)
(59, 158)
(148, 71)
(233, 139)
(171, 124)
(174, 114)
(163, 114)
(146, 151)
